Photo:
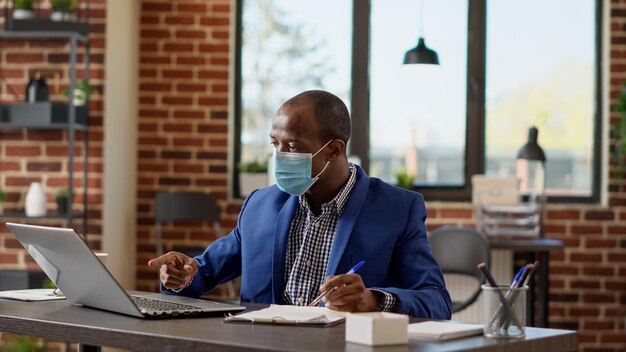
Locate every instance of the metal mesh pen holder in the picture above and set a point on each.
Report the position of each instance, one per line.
(504, 311)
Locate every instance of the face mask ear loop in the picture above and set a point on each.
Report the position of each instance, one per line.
(321, 172)
(325, 145)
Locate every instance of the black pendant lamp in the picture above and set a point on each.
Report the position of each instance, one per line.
(531, 150)
(421, 54)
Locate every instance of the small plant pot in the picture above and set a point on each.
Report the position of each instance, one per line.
(62, 16)
(23, 14)
(62, 207)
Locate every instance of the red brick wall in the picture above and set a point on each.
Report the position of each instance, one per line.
(183, 117)
(41, 156)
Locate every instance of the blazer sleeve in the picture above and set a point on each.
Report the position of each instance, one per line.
(220, 262)
(421, 289)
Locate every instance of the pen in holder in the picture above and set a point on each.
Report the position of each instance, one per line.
(504, 311)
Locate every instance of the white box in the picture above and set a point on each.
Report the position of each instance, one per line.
(377, 329)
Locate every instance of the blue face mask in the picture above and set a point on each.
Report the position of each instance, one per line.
(293, 171)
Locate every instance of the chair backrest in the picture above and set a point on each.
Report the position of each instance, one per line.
(459, 250)
(173, 206)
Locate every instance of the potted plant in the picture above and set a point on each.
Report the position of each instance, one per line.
(252, 175)
(62, 196)
(63, 10)
(82, 90)
(404, 179)
(19, 343)
(619, 134)
(23, 9)
(3, 197)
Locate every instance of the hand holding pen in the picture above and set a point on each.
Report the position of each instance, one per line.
(347, 293)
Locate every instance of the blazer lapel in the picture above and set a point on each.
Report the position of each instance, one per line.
(347, 220)
(283, 223)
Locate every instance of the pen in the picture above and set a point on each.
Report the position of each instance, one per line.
(323, 294)
(508, 312)
(517, 277)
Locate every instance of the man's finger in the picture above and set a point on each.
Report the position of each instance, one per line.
(164, 259)
(339, 280)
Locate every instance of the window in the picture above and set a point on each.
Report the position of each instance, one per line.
(417, 112)
(500, 74)
(287, 47)
(542, 75)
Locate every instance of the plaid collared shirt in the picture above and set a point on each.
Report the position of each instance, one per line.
(308, 248)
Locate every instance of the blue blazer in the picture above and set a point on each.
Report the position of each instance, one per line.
(380, 224)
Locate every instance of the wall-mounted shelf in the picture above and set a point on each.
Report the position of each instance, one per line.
(55, 116)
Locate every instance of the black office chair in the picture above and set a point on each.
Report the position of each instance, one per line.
(174, 206)
(459, 250)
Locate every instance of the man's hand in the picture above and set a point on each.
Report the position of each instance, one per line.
(177, 270)
(350, 294)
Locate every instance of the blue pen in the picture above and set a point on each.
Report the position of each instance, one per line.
(517, 277)
(351, 271)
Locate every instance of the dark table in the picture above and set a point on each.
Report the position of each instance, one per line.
(60, 320)
(538, 248)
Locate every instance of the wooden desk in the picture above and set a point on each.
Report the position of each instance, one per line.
(541, 247)
(59, 320)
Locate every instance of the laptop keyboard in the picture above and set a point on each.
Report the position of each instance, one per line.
(150, 304)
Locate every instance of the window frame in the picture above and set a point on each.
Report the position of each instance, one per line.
(475, 109)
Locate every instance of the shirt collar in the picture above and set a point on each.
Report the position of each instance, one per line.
(340, 199)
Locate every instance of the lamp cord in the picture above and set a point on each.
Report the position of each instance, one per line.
(421, 29)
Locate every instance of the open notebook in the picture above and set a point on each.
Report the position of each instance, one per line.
(292, 315)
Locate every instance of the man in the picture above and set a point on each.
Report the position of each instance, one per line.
(297, 239)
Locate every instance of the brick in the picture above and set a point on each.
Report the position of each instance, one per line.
(188, 142)
(211, 155)
(564, 297)
(563, 215)
(599, 243)
(153, 113)
(166, 154)
(214, 21)
(586, 229)
(176, 100)
(612, 337)
(30, 58)
(153, 141)
(600, 215)
(219, 88)
(214, 48)
(177, 127)
(219, 61)
(196, 169)
(206, 101)
(189, 87)
(155, 87)
(220, 8)
(598, 325)
(177, 73)
(615, 285)
(220, 34)
(189, 114)
(213, 74)
(194, 8)
(586, 257)
(8, 258)
(22, 151)
(148, 47)
(193, 34)
(191, 60)
(9, 166)
(12, 73)
(584, 312)
(164, 60)
(148, 127)
(584, 284)
(186, 20)
(178, 47)
(218, 142)
(36, 166)
(456, 213)
(150, 20)
(219, 115)
(616, 257)
(598, 298)
(156, 7)
(174, 181)
(212, 128)
(599, 271)
(152, 167)
(563, 270)
(218, 169)
(616, 230)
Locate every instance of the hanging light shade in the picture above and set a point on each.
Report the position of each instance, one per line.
(530, 166)
(421, 54)
(531, 150)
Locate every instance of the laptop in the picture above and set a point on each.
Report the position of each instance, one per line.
(78, 273)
